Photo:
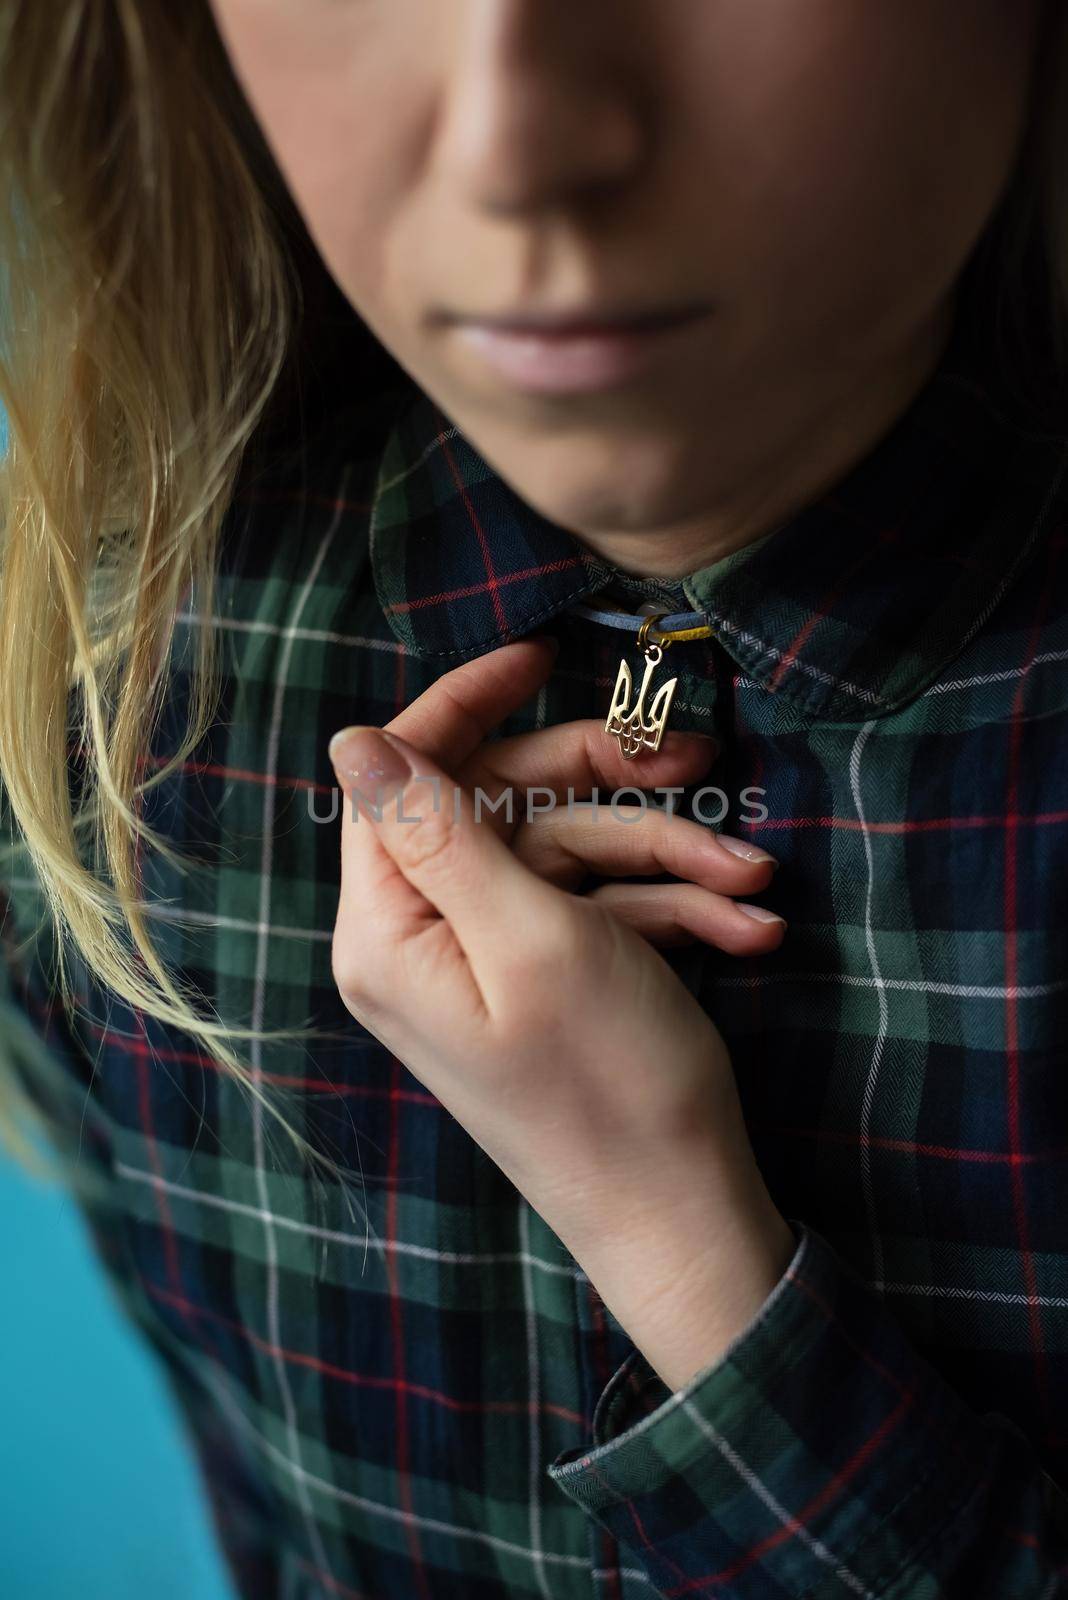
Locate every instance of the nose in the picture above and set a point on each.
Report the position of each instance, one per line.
(540, 106)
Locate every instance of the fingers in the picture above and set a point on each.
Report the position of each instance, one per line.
(565, 843)
(580, 757)
(450, 719)
(423, 884)
(668, 914)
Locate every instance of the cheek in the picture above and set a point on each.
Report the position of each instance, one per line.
(854, 154)
(325, 92)
(344, 195)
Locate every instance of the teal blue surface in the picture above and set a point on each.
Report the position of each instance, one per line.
(99, 1496)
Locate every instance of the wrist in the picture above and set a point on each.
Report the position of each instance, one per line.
(686, 1276)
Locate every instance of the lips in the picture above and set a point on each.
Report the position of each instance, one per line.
(582, 324)
(578, 356)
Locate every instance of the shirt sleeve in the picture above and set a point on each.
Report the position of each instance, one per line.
(821, 1457)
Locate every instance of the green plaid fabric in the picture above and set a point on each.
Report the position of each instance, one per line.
(423, 1397)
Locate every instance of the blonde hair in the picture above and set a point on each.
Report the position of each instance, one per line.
(139, 201)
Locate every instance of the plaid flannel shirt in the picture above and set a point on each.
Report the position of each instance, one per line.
(429, 1401)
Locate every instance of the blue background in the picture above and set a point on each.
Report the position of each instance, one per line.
(100, 1498)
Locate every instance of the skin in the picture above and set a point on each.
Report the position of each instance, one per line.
(542, 1019)
(818, 171)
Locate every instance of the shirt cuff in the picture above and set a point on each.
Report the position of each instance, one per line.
(820, 1454)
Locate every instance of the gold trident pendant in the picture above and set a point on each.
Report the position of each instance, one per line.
(635, 730)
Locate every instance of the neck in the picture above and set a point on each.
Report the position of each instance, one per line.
(778, 478)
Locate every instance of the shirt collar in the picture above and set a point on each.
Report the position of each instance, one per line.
(848, 609)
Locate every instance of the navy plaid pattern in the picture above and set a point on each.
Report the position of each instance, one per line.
(428, 1398)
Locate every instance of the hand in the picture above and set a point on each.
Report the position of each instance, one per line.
(545, 1023)
(566, 844)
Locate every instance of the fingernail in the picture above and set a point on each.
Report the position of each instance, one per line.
(364, 757)
(748, 852)
(758, 913)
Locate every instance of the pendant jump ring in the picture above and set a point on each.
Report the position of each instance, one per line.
(643, 632)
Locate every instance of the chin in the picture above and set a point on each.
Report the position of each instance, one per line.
(606, 501)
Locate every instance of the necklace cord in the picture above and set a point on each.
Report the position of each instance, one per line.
(622, 619)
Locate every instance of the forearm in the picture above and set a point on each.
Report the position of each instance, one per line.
(685, 1268)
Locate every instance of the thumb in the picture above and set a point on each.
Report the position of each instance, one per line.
(404, 810)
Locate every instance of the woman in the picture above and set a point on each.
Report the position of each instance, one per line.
(699, 1245)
